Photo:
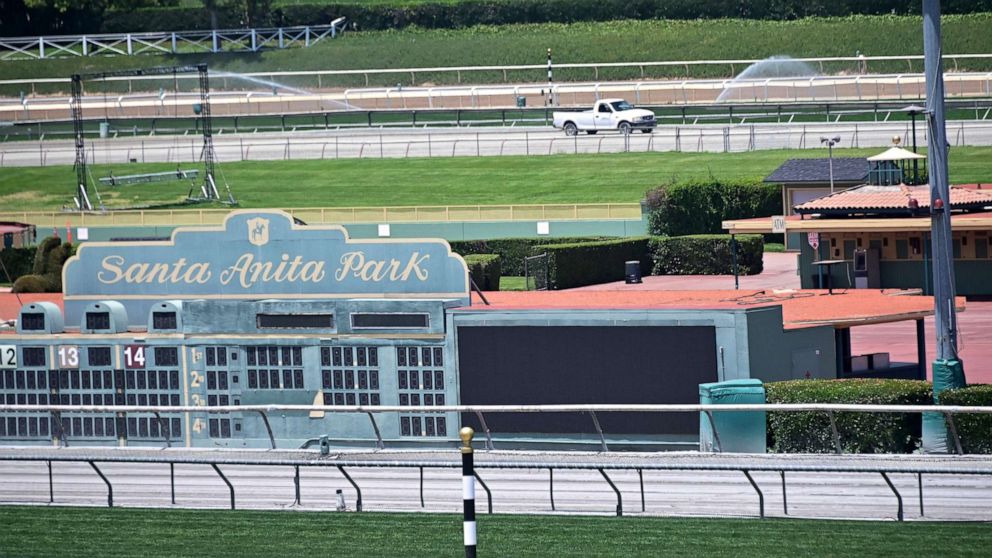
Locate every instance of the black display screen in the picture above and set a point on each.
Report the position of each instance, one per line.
(286, 321)
(164, 320)
(390, 321)
(571, 364)
(97, 320)
(32, 321)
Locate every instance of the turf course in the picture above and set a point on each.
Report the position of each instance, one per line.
(107, 533)
(606, 178)
(614, 41)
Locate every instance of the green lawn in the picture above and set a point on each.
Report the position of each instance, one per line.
(616, 41)
(618, 178)
(107, 533)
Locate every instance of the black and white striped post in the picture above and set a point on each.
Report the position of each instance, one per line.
(468, 490)
(551, 95)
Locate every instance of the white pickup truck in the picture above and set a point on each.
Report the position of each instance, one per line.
(606, 114)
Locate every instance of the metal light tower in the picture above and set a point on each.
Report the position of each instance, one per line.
(831, 142)
(948, 370)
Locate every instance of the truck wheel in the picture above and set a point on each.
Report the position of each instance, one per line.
(624, 127)
(571, 129)
(591, 132)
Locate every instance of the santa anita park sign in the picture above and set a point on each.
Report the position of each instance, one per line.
(263, 255)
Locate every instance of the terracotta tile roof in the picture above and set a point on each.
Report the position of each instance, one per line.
(871, 197)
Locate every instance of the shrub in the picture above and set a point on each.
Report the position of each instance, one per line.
(709, 254)
(17, 261)
(41, 256)
(511, 251)
(975, 431)
(485, 271)
(589, 263)
(46, 276)
(33, 284)
(701, 207)
(803, 432)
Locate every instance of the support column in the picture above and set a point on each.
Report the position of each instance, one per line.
(948, 370)
(921, 350)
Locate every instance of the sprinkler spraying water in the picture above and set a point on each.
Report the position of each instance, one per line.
(772, 67)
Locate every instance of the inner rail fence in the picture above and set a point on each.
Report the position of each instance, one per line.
(746, 467)
(162, 96)
(854, 65)
(830, 409)
(322, 121)
(443, 143)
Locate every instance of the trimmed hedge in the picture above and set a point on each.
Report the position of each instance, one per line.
(589, 263)
(94, 17)
(859, 432)
(511, 251)
(701, 207)
(18, 261)
(485, 270)
(975, 431)
(707, 254)
(46, 276)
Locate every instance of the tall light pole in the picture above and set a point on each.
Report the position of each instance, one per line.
(831, 142)
(948, 370)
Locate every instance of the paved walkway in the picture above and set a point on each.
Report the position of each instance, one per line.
(898, 339)
(779, 273)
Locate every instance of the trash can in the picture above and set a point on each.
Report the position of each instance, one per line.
(632, 272)
(104, 130)
(738, 431)
(521, 101)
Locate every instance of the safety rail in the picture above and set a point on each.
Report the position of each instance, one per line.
(484, 142)
(169, 42)
(947, 411)
(54, 129)
(860, 64)
(339, 215)
(275, 98)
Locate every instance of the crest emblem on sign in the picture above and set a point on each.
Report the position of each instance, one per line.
(258, 231)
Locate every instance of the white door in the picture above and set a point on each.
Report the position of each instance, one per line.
(604, 117)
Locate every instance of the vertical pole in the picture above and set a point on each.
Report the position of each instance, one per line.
(733, 252)
(916, 162)
(468, 490)
(551, 96)
(921, 351)
(830, 157)
(948, 370)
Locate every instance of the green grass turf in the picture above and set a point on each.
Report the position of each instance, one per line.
(512, 283)
(616, 41)
(774, 247)
(107, 533)
(616, 178)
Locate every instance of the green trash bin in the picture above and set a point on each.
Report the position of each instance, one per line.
(738, 431)
(521, 101)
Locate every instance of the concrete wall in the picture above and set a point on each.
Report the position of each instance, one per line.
(775, 354)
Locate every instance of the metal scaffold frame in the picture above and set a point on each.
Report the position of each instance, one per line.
(208, 189)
